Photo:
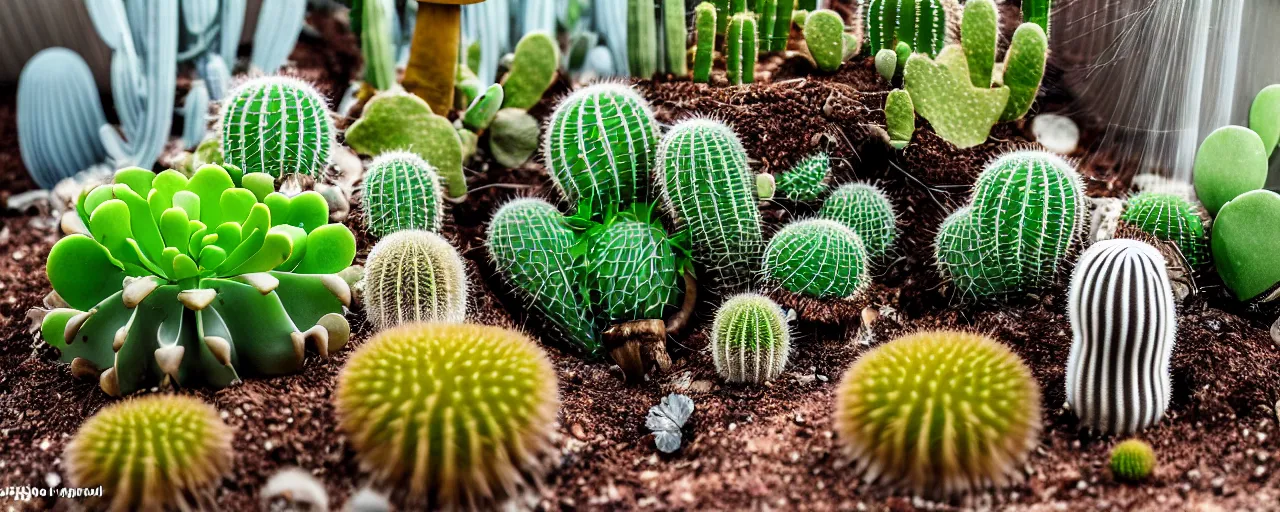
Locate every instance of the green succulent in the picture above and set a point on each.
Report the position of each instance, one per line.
(824, 37)
(401, 191)
(740, 49)
(1024, 65)
(399, 121)
(1037, 11)
(868, 212)
(537, 58)
(900, 118)
(483, 109)
(600, 144)
(1246, 245)
(277, 125)
(704, 25)
(980, 27)
(750, 340)
(807, 180)
(414, 276)
(513, 137)
(1132, 460)
(1232, 160)
(1264, 117)
(922, 24)
(1172, 218)
(817, 257)
(886, 63)
(374, 25)
(959, 112)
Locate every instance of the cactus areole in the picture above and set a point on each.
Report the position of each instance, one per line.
(433, 55)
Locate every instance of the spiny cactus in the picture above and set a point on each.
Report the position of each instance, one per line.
(807, 180)
(939, 412)
(399, 121)
(600, 144)
(632, 270)
(1232, 160)
(458, 414)
(1132, 460)
(277, 125)
(197, 281)
(1027, 209)
(414, 276)
(750, 340)
(740, 49)
(642, 38)
(1173, 218)
(704, 22)
(1118, 378)
(868, 212)
(158, 452)
(824, 36)
(377, 23)
(536, 60)
(919, 23)
(707, 186)
(1024, 69)
(675, 37)
(1038, 12)
(981, 28)
(941, 91)
(817, 257)
(900, 118)
(402, 191)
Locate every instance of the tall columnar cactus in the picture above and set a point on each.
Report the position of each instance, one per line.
(981, 29)
(143, 75)
(704, 23)
(414, 276)
(707, 186)
(675, 36)
(536, 60)
(491, 39)
(378, 18)
(459, 415)
(1038, 12)
(530, 245)
(824, 36)
(277, 125)
(632, 273)
(817, 257)
(195, 115)
(642, 38)
(807, 180)
(274, 41)
(1124, 324)
(59, 114)
(197, 281)
(740, 49)
(766, 12)
(941, 91)
(402, 191)
(1026, 211)
(750, 340)
(868, 212)
(1173, 218)
(600, 144)
(1024, 65)
(919, 23)
(781, 26)
(900, 118)
(939, 412)
(159, 452)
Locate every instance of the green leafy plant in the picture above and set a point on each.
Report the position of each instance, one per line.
(1024, 69)
(197, 281)
(981, 28)
(600, 144)
(740, 49)
(277, 125)
(1246, 245)
(824, 36)
(483, 109)
(750, 340)
(402, 191)
(152, 453)
(414, 276)
(807, 180)
(513, 137)
(1132, 460)
(900, 118)
(922, 24)
(868, 212)
(1231, 161)
(457, 414)
(537, 59)
(938, 413)
(1170, 217)
(1264, 117)
(817, 257)
(704, 22)
(399, 121)
(633, 268)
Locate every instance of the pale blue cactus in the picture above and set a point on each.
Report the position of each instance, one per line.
(58, 117)
(273, 41)
(611, 24)
(494, 38)
(538, 15)
(195, 115)
(144, 70)
(232, 23)
(216, 75)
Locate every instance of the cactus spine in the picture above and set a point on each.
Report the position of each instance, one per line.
(277, 125)
(402, 191)
(704, 21)
(900, 118)
(919, 23)
(740, 49)
(807, 180)
(414, 276)
(1170, 217)
(1132, 460)
(817, 257)
(750, 340)
(868, 212)
(599, 146)
(642, 38)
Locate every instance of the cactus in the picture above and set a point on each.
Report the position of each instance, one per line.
(611, 22)
(143, 76)
(900, 118)
(781, 26)
(941, 92)
(1246, 247)
(157, 452)
(414, 276)
(197, 281)
(397, 121)
(868, 212)
(919, 23)
(1024, 69)
(534, 68)
(1038, 12)
(483, 109)
(702, 169)
(817, 257)
(1170, 217)
(1132, 460)
(750, 340)
(208, 152)
(600, 144)
(530, 244)
(740, 49)
(217, 77)
(675, 37)
(275, 40)
(642, 38)
(632, 269)
(1264, 117)
(539, 16)
(277, 125)
(458, 415)
(981, 28)
(1027, 210)
(491, 39)
(513, 137)
(808, 5)
(1231, 161)
(401, 191)
(939, 412)
(1118, 379)
(807, 180)
(59, 115)
(704, 21)
(887, 63)
(824, 36)
(195, 115)
(377, 25)
(766, 13)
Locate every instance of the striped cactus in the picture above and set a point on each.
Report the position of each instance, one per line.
(402, 191)
(868, 212)
(1122, 314)
(920, 23)
(272, 42)
(642, 38)
(740, 49)
(675, 38)
(817, 257)
(750, 340)
(59, 115)
(277, 125)
(807, 180)
(632, 274)
(600, 144)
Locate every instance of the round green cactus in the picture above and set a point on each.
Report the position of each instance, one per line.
(414, 276)
(1172, 218)
(1132, 460)
(632, 271)
(750, 340)
(402, 191)
(277, 125)
(157, 452)
(197, 281)
(458, 414)
(817, 257)
(868, 212)
(939, 412)
(600, 144)
(807, 180)
(921, 24)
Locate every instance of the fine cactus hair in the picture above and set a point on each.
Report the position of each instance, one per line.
(704, 23)
(740, 49)
(377, 19)
(1015, 235)
(709, 190)
(632, 270)
(807, 179)
(905, 411)
(642, 38)
(537, 58)
(824, 37)
(1118, 379)
(817, 257)
(1132, 460)
(1024, 66)
(1172, 218)
(158, 452)
(277, 125)
(900, 118)
(402, 191)
(1038, 12)
(414, 276)
(457, 415)
(868, 212)
(919, 23)
(750, 340)
(59, 114)
(675, 37)
(600, 144)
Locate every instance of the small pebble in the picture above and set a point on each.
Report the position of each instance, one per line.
(1057, 133)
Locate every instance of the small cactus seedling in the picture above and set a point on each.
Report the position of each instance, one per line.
(599, 146)
(981, 28)
(632, 271)
(537, 58)
(1038, 12)
(817, 257)
(750, 340)
(1231, 161)
(414, 276)
(457, 414)
(740, 49)
(887, 63)
(922, 24)
(513, 137)
(1024, 69)
(868, 212)
(900, 118)
(399, 121)
(1246, 245)
(1264, 117)
(277, 125)
(704, 22)
(766, 186)
(807, 180)
(642, 38)
(707, 186)
(1170, 217)
(1132, 460)
(152, 453)
(401, 191)
(483, 109)
(824, 36)
(939, 412)
(941, 92)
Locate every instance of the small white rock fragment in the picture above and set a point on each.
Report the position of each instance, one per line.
(1057, 133)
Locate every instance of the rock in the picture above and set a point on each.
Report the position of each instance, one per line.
(1057, 133)
(1275, 331)
(294, 490)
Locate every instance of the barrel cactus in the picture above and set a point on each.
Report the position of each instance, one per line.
(817, 257)
(938, 413)
(919, 23)
(868, 212)
(807, 180)
(414, 276)
(402, 191)
(633, 272)
(1172, 218)
(1132, 460)
(197, 281)
(277, 125)
(457, 414)
(600, 144)
(750, 340)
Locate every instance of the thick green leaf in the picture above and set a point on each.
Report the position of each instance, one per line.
(299, 239)
(135, 362)
(260, 183)
(236, 204)
(308, 210)
(137, 179)
(173, 227)
(276, 248)
(263, 345)
(141, 222)
(93, 340)
(330, 249)
(209, 182)
(305, 298)
(83, 272)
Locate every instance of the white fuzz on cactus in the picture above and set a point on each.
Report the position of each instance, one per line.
(414, 276)
(750, 340)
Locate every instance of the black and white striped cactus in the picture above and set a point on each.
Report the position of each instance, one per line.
(1122, 315)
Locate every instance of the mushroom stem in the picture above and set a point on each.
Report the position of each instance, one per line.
(433, 56)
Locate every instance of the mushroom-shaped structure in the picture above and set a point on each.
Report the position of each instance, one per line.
(433, 57)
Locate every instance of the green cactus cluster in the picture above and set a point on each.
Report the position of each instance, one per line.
(825, 38)
(1132, 460)
(900, 118)
(414, 276)
(458, 415)
(740, 49)
(939, 413)
(398, 121)
(868, 212)
(817, 257)
(807, 179)
(750, 340)
(1172, 218)
(600, 144)
(402, 191)
(277, 125)
(632, 271)
(922, 24)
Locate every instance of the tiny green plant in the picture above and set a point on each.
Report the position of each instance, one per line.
(824, 36)
(277, 125)
(1132, 460)
(750, 340)
(483, 109)
(513, 137)
(740, 49)
(807, 180)
(1172, 218)
(922, 24)
(704, 21)
(537, 59)
(402, 191)
(868, 212)
(1231, 161)
(398, 121)
(887, 63)
(457, 414)
(900, 118)
(414, 276)
(600, 144)
(905, 411)
(817, 257)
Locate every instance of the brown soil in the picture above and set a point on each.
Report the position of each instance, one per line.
(761, 447)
